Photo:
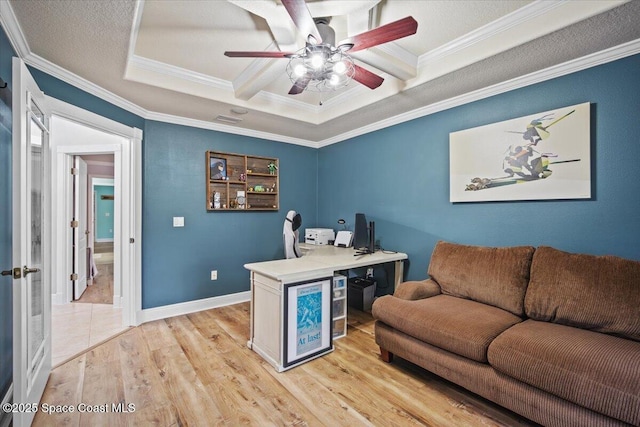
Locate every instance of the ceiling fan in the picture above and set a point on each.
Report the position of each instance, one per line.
(322, 65)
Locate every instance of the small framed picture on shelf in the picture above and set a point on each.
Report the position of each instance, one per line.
(218, 168)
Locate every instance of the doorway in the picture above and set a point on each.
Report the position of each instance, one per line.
(92, 316)
(110, 151)
(98, 200)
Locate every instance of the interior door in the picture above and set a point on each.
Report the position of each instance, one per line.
(32, 290)
(80, 258)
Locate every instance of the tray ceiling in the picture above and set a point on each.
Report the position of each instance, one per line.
(165, 58)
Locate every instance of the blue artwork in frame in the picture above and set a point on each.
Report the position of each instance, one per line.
(307, 310)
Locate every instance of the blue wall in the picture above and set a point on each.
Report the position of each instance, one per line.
(399, 176)
(177, 261)
(104, 212)
(6, 295)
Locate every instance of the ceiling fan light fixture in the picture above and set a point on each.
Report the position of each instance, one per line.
(299, 70)
(320, 68)
(317, 61)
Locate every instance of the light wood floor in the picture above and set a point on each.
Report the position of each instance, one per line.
(101, 290)
(196, 370)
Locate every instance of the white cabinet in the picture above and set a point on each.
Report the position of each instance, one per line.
(290, 322)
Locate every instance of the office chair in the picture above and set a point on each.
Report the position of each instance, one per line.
(290, 235)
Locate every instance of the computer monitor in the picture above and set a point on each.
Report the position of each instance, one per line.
(364, 238)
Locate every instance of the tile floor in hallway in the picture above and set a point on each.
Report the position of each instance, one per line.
(75, 327)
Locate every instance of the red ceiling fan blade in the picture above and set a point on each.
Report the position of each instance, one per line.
(258, 54)
(300, 85)
(386, 33)
(301, 16)
(366, 77)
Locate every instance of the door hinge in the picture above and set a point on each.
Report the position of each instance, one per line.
(74, 171)
(74, 276)
(74, 224)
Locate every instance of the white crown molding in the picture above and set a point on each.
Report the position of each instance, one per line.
(287, 101)
(589, 61)
(81, 83)
(202, 124)
(135, 29)
(13, 30)
(395, 50)
(529, 12)
(179, 73)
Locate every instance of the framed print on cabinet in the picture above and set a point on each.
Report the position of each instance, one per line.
(542, 156)
(307, 318)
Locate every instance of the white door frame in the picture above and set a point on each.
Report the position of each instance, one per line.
(127, 178)
(63, 162)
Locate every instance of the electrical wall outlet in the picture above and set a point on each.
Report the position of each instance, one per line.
(370, 272)
(214, 274)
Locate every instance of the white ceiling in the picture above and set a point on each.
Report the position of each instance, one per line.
(164, 59)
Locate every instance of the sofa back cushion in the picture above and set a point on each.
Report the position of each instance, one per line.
(599, 293)
(494, 276)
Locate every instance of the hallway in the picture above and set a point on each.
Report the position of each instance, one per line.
(82, 324)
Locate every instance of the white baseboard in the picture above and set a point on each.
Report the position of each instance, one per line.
(5, 418)
(157, 313)
(105, 240)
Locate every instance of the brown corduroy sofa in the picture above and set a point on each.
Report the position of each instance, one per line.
(550, 335)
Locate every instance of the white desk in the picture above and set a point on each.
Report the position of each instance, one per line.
(268, 280)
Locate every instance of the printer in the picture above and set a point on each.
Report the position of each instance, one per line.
(319, 236)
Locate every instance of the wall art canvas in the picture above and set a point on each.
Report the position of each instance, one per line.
(308, 319)
(542, 156)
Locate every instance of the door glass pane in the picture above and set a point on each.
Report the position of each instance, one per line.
(34, 280)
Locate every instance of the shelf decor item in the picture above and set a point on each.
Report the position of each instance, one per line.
(218, 168)
(307, 318)
(242, 182)
(272, 168)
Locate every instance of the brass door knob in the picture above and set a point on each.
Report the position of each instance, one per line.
(26, 270)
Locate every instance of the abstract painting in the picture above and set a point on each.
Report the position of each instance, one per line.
(541, 156)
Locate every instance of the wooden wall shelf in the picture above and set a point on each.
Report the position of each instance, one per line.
(239, 182)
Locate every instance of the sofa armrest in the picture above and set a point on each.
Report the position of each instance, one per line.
(414, 290)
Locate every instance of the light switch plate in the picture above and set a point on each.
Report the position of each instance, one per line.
(178, 221)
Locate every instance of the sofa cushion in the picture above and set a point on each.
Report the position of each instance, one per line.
(594, 370)
(417, 289)
(460, 326)
(494, 276)
(600, 293)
